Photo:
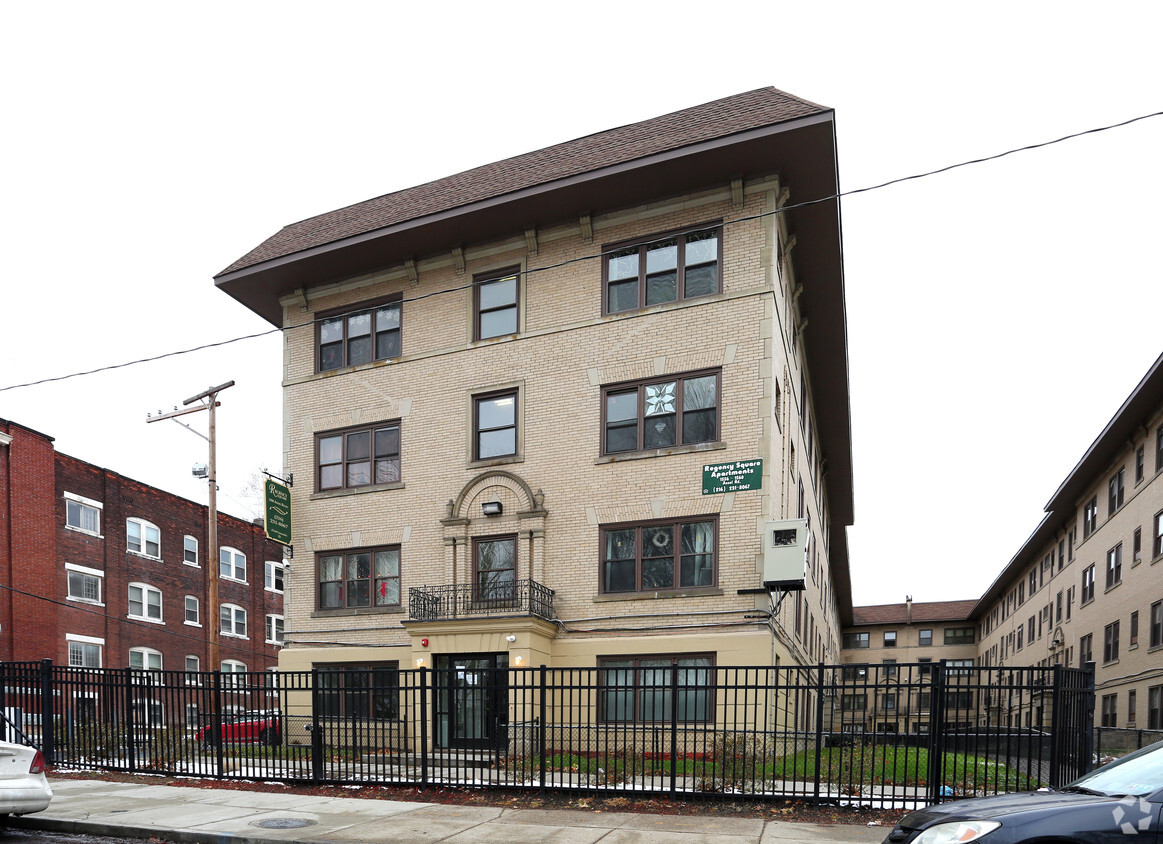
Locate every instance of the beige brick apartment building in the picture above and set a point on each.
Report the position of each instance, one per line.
(502, 387)
(1088, 583)
(888, 651)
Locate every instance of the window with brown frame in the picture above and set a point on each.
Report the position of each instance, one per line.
(367, 577)
(1090, 517)
(359, 457)
(360, 335)
(494, 303)
(494, 425)
(653, 556)
(668, 268)
(660, 413)
(359, 690)
(494, 569)
(637, 689)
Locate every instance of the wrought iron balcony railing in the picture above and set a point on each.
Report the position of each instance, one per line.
(464, 600)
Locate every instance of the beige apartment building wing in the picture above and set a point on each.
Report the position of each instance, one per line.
(1087, 586)
(888, 654)
(504, 388)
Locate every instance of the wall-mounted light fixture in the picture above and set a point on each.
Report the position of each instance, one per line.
(419, 662)
(517, 660)
(510, 638)
(491, 508)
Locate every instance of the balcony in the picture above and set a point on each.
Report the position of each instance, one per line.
(480, 600)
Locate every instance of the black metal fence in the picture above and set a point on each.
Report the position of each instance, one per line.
(875, 735)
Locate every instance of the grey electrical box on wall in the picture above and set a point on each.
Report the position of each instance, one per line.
(785, 554)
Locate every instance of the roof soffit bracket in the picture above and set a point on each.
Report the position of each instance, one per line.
(587, 228)
(413, 274)
(301, 295)
(796, 292)
(458, 259)
(788, 246)
(531, 241)
(737, 192)
(784, 196)
(803, 326)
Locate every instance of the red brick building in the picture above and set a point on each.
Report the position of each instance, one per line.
(99, 570)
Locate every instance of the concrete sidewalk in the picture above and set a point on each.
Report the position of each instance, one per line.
(227, 816)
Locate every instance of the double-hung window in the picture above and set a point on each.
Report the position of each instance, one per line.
(668, 269)
(1116, 491)
(661, 413)
(1157, 624)
(1110, 642)
(1114, 566)
(365, 578)
(360, 336)
(659, 555)
(190, 550)
(638, 689)
(274, 630)
(1158, 544)
(232, 564)
(1087, 594)
(82, 514)
(84, 651)
(145, 602)
(925, 637)
(1090, 517)
(232, 621)
(193, 616)
(494, 425)
(495, 297)
(362, 457)
(275, 573)
(142, 537)
(494, 569)
(145, 659)
(84, 584)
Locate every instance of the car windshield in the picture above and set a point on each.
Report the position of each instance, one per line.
(1135, 774)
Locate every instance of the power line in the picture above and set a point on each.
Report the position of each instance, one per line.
(594, 257)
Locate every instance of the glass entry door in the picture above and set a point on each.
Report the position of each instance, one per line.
(472, 700)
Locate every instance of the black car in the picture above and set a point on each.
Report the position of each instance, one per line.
(1107, 805)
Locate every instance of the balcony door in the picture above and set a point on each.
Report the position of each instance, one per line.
(472, 701)
(495, 572)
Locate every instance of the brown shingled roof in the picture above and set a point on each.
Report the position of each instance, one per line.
(897, 613)
(728, 116)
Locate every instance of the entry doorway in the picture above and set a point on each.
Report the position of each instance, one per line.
(472, 701)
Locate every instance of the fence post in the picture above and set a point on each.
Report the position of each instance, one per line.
(131, 728)
(316, 727)
(1086, 749)
(216, 724)
(47, 742)
(424, 726)
(1056, 731)
(819, 728)
(541, 711)
(673, 728)
(936, 730)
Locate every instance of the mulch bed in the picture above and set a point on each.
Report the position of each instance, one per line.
(784, 810)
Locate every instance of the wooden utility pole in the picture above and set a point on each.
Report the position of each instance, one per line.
(212, 563)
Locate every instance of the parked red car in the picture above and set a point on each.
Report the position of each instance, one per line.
(261, 727)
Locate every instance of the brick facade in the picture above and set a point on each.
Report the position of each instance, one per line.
(40, 617)
(560, 491)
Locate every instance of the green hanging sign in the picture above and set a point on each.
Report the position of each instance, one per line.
(277, 522)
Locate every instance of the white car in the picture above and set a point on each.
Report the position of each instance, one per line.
(23, 785)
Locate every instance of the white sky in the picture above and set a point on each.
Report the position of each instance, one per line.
(997, 315)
